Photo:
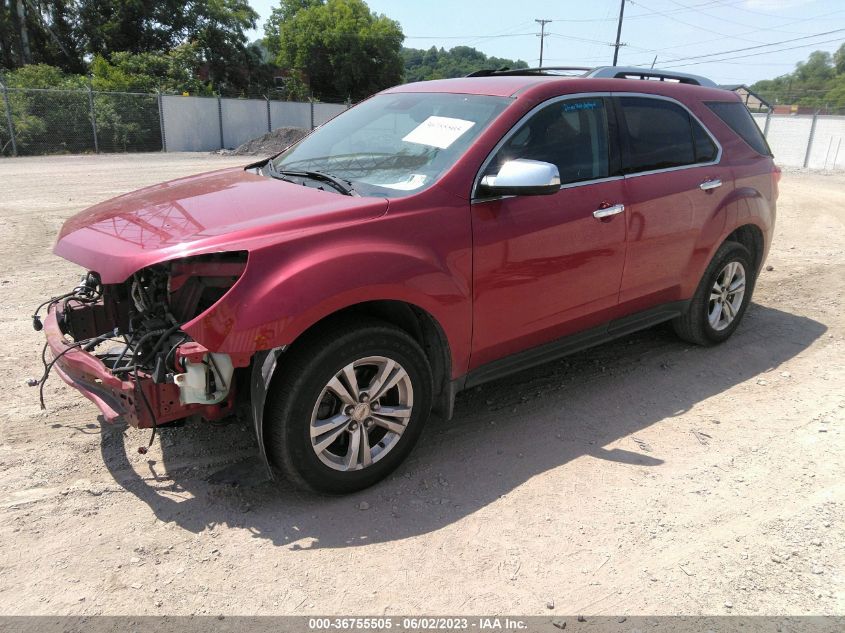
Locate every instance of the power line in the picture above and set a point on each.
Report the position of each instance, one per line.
(729, 37)
(637, 15)
(674, 19)
(790, 48)
(729, 21)
(749, 48)
(462, 37)
(579, 39)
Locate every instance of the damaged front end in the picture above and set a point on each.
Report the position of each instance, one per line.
(123, 346)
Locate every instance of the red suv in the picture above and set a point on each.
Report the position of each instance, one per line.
(434, 237)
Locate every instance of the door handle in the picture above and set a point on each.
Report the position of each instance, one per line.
(608, 211)
(707, 185)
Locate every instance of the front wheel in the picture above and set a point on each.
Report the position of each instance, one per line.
(347, 406)
(721, 299)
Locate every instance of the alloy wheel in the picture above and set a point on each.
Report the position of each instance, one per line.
(726, 296)
(361, 413)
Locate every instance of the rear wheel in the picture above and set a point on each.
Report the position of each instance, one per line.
(347, 406)
(721, 299)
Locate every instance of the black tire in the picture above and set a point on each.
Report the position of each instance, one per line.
(302, 375)
(694, 326)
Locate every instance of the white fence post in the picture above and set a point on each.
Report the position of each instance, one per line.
(93, 118)
(161, 121)
(220, 119)
(810, 140)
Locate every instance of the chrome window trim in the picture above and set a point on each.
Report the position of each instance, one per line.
(586, 95)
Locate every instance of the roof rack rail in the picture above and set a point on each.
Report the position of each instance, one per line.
(527, 71)
(635, 72)
(604, 72)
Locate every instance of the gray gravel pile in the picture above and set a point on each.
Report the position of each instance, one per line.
(267, 144)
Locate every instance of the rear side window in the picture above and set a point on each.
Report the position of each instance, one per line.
(661, 134)
(739, 119)
(705, 149)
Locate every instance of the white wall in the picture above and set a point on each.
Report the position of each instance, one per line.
(193, 124)
(243, 120)
(788, 136)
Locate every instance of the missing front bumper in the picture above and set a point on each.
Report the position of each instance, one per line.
(142, 403)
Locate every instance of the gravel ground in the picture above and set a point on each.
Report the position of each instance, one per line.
(645, 476)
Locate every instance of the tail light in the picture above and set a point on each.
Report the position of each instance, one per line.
(776, 174)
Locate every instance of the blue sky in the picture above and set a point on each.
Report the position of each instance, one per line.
(674, 30)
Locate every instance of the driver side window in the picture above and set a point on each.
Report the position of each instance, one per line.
(571, 134)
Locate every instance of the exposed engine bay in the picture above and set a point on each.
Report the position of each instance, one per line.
(155, 372)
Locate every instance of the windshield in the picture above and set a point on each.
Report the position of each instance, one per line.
(394, 144)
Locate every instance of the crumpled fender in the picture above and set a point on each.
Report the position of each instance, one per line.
(287, 288)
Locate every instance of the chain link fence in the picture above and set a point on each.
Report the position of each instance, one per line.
(44, 121)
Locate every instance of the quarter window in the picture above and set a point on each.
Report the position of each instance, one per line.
(571, 134)
(737, 116)
(661, 134)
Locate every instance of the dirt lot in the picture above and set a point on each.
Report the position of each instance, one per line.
(642, 477)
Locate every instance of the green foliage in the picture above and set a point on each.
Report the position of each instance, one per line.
(51, 110)
(280, 14)
(42, 117)
(69, 34)
(43, 76)
(818, 82)
(175, 71)
(219, 29)
(434, 63)
(339, 47)
(112, 26)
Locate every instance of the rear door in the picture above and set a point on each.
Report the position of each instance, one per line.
(673, 184)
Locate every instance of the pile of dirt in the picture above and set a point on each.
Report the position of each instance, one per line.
(270, 143)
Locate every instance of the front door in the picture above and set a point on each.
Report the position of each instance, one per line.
(546, 266)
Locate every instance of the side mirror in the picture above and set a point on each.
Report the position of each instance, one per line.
(521, 177)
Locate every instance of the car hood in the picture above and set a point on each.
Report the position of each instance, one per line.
(226, 210)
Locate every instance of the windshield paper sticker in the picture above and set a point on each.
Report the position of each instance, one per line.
(581, 105)
(438, 131)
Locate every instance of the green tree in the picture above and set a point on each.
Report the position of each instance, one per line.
(839, 60)
(219, 29)
(818, 82)
(422, 65)
(341, 49)
(112, 26)
(281, 14)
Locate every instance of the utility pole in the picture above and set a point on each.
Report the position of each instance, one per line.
(618, 32)
(542, 24)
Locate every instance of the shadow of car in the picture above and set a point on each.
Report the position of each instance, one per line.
(502, 435)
